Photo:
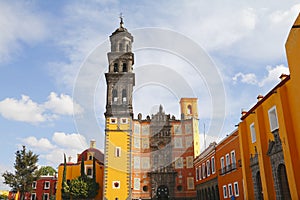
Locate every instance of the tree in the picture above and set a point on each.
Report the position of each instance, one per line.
(46, 170)
(25, 165)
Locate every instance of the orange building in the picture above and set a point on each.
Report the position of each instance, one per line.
(228, 164)
(163, 151)
(73, 170)
(269, 135)
(206, 174)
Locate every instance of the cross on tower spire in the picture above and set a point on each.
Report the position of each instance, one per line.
(121, 20)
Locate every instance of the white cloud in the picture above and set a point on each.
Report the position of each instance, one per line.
(273, 74)
(62, 104)
(26, 110)
(42, 144)
(271, 78)
(51, 151)
(73, 140)
(245, 78)
(18, 24)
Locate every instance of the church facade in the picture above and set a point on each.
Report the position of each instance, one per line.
(150, 158)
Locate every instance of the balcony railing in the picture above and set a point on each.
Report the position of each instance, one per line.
(227, 169)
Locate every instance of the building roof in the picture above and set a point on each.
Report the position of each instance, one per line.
(98, 155)
(266, 97)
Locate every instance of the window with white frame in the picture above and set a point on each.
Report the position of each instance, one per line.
(89, 170)
(273, 119)
(113, 120)
(225, 195)
(124, 120)
(47, 185)
(230, 193)
(34, 185)
(189, 162)
(200, 173)
(222, 165)
(236, 189)
(233, 159)
(227, 161)
(33, 196)
(208, 167)
(118, 151)
(253, 133)
(203, 170)
(46, 196)
(197, 173)
(213, 166)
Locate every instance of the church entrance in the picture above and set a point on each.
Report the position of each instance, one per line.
(162, 192)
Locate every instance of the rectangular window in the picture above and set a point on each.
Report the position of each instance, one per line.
(178, 142)
(273, 119)
(113, 120)
(233, 159)
(136, 162)
(222, 165)
(33, 196)
(225, 191)
(178, 163)
(45, 196)
(208, 168)
(236, 189)
(34, 185)
(213, 166)
(189, 162)
(197, 173)
(230, 190)
(137, 142)
(145, 162)
(200, 173)
(227, 161)
(190, 183)
(253, 133)
(203, 170)
(136, 183)
(46, 185)
(124, 120)
(118, 151)
(89, 171)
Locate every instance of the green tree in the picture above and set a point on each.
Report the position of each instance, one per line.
(46, 170)
(25, 165)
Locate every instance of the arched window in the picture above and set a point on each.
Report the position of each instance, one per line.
(124, 95)
(115, 95)
(283, 182)
(189, 109)
(116, 68)
(124, 67)
(259, 186)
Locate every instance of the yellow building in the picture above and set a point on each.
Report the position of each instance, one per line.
(120, 81)
(73, 170)
(269, 135)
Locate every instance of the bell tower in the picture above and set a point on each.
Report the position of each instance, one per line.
(119, 114)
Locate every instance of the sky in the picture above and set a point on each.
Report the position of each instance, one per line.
(53, 60)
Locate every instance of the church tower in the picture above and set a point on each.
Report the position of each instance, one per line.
(119, 114)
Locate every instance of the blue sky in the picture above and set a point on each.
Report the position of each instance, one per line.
(46, 45)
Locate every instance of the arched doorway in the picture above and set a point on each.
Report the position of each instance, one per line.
(259, 186)
(283, 182)
(162, 192)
